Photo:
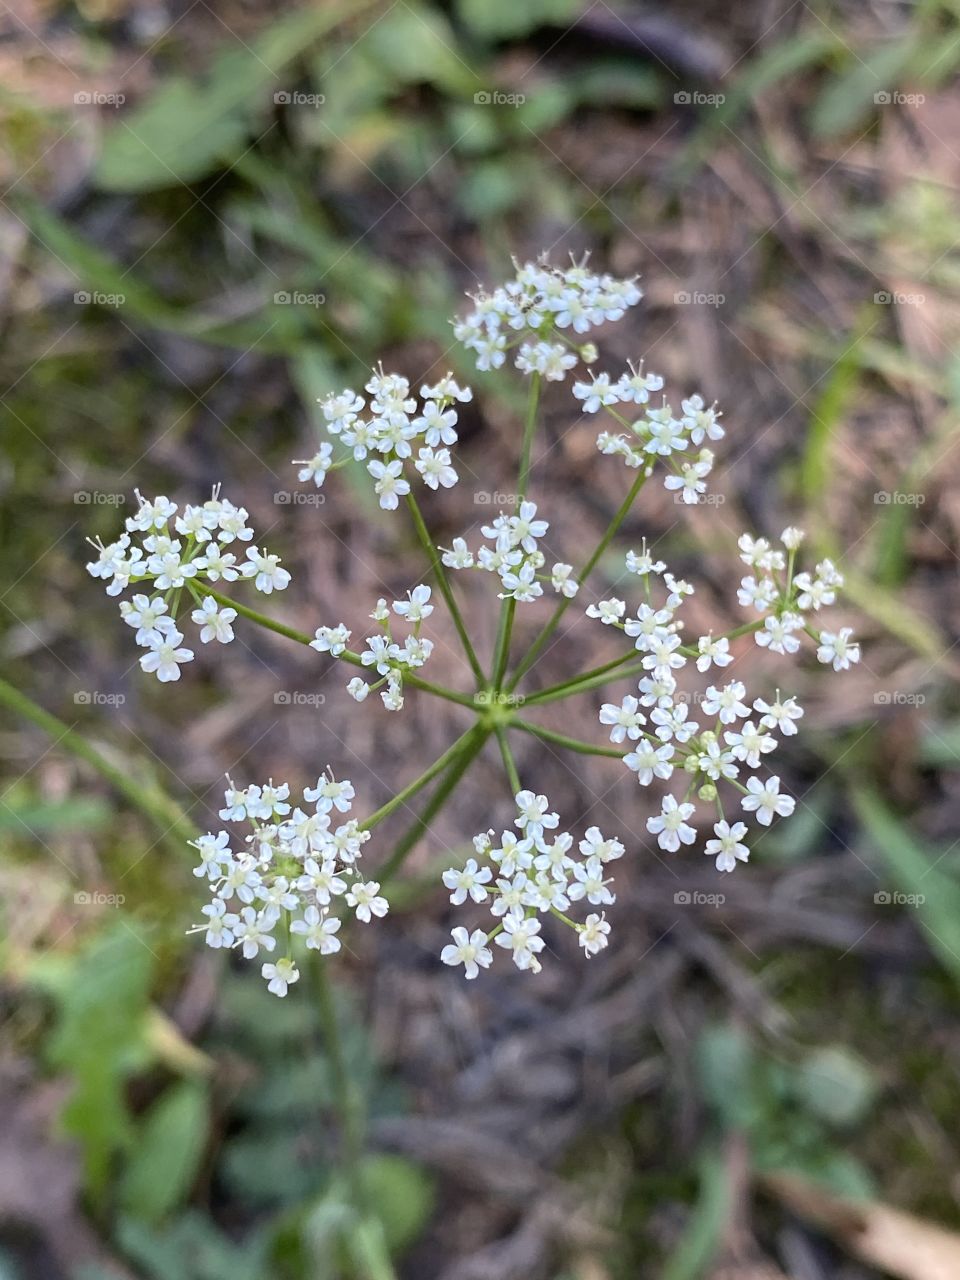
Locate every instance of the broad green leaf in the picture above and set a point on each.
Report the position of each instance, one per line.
(188, 128)
(402, 1196)
(169, 1145)
(414, 44)
(98, 1040)
(506, 19)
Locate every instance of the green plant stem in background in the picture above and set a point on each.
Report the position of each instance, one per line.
(354, 659)
(350, 1115)
(423, 533)
(478, 737)
(562, 740)
(171, 822)
(529, 431)
(452, 754)
(553, 622)
(508, 761)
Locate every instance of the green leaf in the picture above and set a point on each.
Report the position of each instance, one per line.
(918, 873)
(99, 1040)
(701, 1239)
(189, 128)
(26, 810)
(416, 45)
(836, 1085)
(402, 1195)
(169, 1145)
(848, 100)
(506, 19)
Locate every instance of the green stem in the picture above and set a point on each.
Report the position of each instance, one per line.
(747, 629)
(508, 761)
(554, 621)
(508, 608)
(423, 533)
(581, 686)
(562, 740)
(167, 817)
(449, 756)
(529, 431)
(444, 790)
(501, 649)
(349, 1112)
(354, 659)
(559, 689)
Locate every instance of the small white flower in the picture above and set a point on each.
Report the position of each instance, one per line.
(215, 623)
(625, 719)
(713, 652)
(838, 648)
(358, 689)
(280, 976)
(436, 469)
(520, 936)
(390, 486)
(765, 800)
(332, 640)
(468, 881)
(595, 846)
(416, 607)
(670, 825)
(315, 468)
(265, 570)
(779, 715)
(594, 933)
(220, 924)
(533, 816)
(608, 611)
(562, 580)
(166, 657)
(459, 556)
(469, 950)
(318, 931)
(726, 848)
(366, 900)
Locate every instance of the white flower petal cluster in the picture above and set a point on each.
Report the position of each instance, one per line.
(782, 598)
(515, 556)
(668, 743)
(172, 552)
(386, 655)
(678, 439)
(533, 871)
(536, 312)
(285, 880)
(396, 431)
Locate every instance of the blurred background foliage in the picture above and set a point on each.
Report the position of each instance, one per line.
(176, 180)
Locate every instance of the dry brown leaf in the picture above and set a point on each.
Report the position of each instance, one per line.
(884, 1237)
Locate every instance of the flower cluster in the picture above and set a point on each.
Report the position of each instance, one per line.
(782, 598)
(285, 880)
(528, 874)
(387, 656)
(534, 311)
(195, 551)
(515, 556)
(386, 438)
(667, 740)
(659, 432)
